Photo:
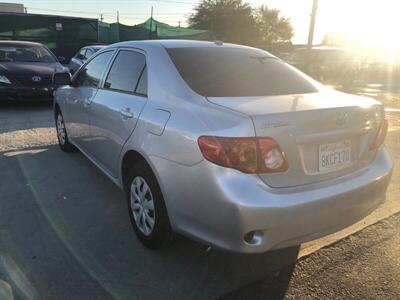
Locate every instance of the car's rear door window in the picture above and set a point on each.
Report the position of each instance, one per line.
(237, 72)
(141, 88)
(125, 71)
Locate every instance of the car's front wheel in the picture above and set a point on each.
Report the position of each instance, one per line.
(146, 206)
(62, 135)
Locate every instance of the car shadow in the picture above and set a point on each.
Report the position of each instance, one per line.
(65, 233)
(24, 105)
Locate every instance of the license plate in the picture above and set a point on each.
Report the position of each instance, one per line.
(334, 156)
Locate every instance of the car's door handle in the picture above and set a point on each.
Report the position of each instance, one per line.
(126, 113)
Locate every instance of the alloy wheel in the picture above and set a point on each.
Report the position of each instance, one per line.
(142, 205)
(60, 129)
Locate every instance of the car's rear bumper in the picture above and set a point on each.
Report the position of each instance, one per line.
(26, 93)
(219, 206)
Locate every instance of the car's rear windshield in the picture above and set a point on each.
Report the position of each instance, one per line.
(25, 53)
(237, 72)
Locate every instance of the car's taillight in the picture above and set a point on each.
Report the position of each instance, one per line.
(249, 155)
(381, 135)
(271, 157)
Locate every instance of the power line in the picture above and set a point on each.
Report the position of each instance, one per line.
(157, 13)
(125, 1)
(167, 16)
(67, 11)
(113, 14)
(172, 1)
(140, 1)
(104, 13)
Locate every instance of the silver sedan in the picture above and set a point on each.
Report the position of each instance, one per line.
(223, 143)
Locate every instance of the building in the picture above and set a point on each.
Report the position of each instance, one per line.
(12, 8)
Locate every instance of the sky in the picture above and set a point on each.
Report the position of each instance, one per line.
(366, 21)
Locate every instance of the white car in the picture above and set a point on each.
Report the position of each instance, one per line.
(224, 143)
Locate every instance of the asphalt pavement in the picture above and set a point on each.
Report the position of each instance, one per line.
(364, 266)
(65, 231)
(65, 234)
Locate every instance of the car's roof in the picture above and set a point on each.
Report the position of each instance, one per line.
(177, 44)
(19, 43)
(96, 46)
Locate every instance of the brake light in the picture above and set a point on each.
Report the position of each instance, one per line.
(381, 135)
(249, 155)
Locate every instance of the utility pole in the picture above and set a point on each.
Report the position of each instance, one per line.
(101, 17)
(312, 24)
(151, 24)
(179, 23)
(117, 16)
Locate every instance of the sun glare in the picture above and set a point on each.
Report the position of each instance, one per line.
(371, 23)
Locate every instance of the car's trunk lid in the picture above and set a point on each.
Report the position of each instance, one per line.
(323, 135)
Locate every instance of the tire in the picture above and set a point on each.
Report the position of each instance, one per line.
(62, 135)
(146, 206)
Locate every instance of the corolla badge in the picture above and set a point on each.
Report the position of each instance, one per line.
(342, 119)
(36, 78)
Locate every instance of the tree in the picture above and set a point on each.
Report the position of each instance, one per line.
(228, 20)
(334, 39)
(273, 27)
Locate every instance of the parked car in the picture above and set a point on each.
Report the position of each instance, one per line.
(382, 71)
(224, 143)
(82, 56)
(26, 71)
(329, 64)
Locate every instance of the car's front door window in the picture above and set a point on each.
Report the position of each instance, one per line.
(91, 74)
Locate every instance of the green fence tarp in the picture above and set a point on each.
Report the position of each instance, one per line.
(150, 29)
(63, 35)
(66, 35)
(104, 32)
(165, 31)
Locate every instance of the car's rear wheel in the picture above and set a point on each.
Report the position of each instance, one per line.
(147, 210)
(62, 135)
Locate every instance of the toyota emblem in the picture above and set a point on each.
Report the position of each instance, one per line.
(342, 119)
(36, 78)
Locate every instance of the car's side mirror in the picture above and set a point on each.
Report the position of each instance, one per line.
(61, 59)
(62, 79)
